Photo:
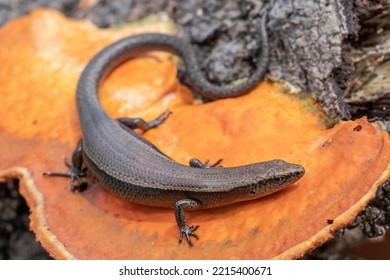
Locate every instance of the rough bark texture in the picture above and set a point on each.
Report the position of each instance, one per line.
(369, 92)
(309, 49)
(316, 45)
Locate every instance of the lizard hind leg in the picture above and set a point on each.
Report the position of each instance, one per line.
(75, 170)
(198, 164)
(138, 123)
(129, 124)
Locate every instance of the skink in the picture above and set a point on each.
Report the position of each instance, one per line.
(136, 170)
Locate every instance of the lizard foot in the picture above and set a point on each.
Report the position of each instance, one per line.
(74, 174)
(188, 231)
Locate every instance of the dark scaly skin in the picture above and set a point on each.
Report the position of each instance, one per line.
(135, 170)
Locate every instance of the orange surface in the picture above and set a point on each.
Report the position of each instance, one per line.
(344, 164)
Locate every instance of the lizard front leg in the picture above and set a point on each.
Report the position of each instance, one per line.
(181, 220)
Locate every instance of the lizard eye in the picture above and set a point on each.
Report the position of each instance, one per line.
(280, 180)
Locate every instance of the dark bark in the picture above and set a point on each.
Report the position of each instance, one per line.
(310, 49)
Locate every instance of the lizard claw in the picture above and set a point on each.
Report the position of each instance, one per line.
(188, 231)
(74, 174)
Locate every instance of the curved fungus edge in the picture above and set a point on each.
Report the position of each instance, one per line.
(35, 201)
(339, 223)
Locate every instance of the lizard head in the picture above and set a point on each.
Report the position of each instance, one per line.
(273, 176)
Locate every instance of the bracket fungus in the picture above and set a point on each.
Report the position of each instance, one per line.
(345, 164)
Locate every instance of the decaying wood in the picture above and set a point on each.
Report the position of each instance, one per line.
(369, 92)
(310, 49)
